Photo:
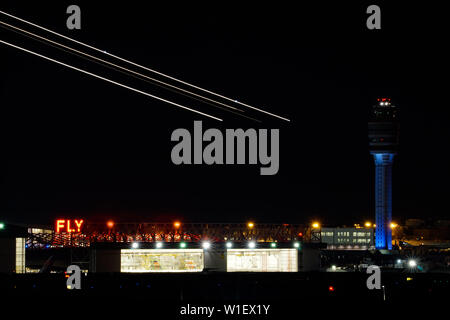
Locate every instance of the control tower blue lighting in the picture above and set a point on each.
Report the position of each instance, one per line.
(383, 200)
(383, 145)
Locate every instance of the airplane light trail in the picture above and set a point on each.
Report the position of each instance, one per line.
(145, 68)
(117, 66)
(110, 81)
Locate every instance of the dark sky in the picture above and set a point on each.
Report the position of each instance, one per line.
(75, 146)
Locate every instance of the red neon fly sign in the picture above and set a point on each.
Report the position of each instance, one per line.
(68, 225)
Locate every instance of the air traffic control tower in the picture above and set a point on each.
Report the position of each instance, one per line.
(383, 145)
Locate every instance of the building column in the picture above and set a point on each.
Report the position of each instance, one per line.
(383, 199)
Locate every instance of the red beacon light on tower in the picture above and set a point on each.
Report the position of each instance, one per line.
(384, 101)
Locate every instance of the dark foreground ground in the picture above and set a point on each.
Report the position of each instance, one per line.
(290, 295)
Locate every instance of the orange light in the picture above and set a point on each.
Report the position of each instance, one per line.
(65, 225)
(368, 224)
(78, 223)
(250, 225)
(300, 234)
(393, 225)
(110, 224)
(331, 288)
(316, 225)
(177, 224)
(68, 227)
(60, 224)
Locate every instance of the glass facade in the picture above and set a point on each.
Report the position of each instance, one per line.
(164, 260)
(20, 255)
(262, 260)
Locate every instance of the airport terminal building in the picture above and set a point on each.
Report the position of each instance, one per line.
(158, 248)
(193, 258)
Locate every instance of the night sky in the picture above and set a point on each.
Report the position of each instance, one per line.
(72, 145)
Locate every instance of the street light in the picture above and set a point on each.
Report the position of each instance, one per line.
(2, 226)
(412, 263)
(110, 224)
(177, 224)
(206, 245)
(393, 225)
(250, 225)
(252, 244)
(368, 224)
(316, 225)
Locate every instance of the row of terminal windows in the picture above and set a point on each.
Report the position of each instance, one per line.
(361, 234)
(361, 240)
(347, 240)
(343, 234)
(346, 234)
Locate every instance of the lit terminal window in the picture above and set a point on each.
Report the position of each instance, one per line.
(165, 260)
(262, 260)
(20, 255)
(327, 234)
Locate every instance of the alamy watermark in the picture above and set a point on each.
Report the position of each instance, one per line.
(373, 281)
(374, 20)
(74, 279)
(74, 20)
(235, 151)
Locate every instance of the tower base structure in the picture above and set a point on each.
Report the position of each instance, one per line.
(383, 199)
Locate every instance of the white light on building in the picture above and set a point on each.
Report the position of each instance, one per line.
(206, 245)
(412, 263)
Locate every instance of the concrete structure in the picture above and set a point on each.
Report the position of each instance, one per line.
(383, 143)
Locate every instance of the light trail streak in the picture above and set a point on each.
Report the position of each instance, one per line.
(145, 68)
(109, 80)
(117, 66)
